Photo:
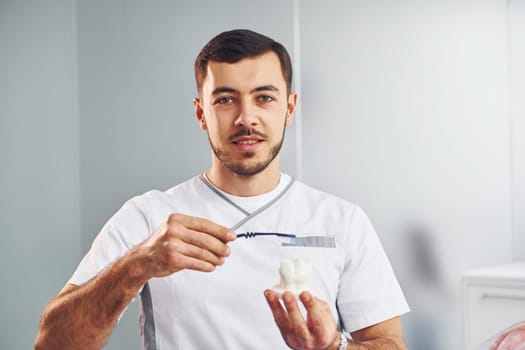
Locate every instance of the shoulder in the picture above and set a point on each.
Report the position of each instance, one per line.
(187, 187)
(150, 204)
(324, 204)
(319, 197)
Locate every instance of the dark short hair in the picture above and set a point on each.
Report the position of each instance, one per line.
(235, 45)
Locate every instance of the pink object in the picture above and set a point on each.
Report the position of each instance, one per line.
(512, 338)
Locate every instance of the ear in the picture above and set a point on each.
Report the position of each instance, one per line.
(292, 103)
(199, 113)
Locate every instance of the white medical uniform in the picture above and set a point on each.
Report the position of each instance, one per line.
(226, 309)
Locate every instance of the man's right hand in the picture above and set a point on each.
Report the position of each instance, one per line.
(82, 317)
(185, 242)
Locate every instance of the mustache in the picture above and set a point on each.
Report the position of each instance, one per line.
(246, 132)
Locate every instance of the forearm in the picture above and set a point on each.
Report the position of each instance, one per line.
(378, 344)
(84, 317)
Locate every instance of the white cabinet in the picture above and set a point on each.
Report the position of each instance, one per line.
(494, 299)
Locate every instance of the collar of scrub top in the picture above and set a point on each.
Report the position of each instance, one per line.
(249, 215)
(290, 239)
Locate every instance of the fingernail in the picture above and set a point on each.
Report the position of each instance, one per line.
(287, 297)
(231, 235)
(306, 297)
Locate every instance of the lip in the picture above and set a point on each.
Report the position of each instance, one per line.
(247, 143)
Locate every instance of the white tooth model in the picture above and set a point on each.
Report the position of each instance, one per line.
(294, 276)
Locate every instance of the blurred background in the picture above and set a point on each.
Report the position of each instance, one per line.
(415, 110)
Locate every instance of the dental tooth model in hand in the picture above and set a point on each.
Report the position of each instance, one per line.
(294, 276)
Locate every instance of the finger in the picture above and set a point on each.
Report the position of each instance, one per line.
(203, 243)
(313, 311)
(178, 229)
(281, 318)
(203, 225)
(279, 314)
(179, 261)
(296, 319)
(164, 255)
(177, 249)
(319, 320)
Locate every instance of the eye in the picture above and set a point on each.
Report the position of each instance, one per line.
(265, 98)
(224, 100)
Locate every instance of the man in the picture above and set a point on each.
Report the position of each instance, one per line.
(200, 286)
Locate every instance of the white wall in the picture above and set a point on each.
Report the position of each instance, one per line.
(517, 104)
(39, 178)
(414, 110)
(406, 112)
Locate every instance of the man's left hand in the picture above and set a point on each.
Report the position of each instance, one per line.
(317, 332)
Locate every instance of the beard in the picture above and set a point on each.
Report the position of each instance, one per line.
(244, 167)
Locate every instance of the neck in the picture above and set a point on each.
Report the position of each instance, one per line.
(244, 186)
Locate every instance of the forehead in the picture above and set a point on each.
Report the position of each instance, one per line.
(246, 74)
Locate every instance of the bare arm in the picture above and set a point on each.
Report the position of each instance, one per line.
(386, 335)
(319, 330)
(82, 317)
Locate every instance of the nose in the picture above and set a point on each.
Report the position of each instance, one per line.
(247, 115)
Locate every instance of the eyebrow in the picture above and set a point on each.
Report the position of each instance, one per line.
(265, 88)
(223, 89)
